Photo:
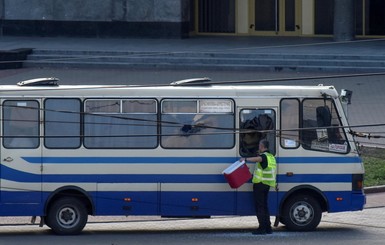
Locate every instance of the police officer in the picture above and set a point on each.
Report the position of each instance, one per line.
(264, 177)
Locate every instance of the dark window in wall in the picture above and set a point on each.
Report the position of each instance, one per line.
(375, 17)
(358, 17)
(216, 16)
(290, 15)
(266, 17)
(192, 16)
(324, 14)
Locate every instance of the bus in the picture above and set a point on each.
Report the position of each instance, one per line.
(70, 151)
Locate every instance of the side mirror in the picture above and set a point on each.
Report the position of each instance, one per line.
(346, 96)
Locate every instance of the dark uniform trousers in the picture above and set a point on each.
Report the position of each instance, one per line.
(261, 192)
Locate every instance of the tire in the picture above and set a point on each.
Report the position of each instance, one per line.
(46, 222)
(301, 213)
(67, 216)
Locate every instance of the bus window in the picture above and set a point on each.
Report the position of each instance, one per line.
(139, 106)
(179, 106)
(120, 123)
(289, 123)
(323, 130)
(207, 123)
(62, 123)
(255, 125)
(21, 124)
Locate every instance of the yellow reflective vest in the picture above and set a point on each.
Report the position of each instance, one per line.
(268, 175)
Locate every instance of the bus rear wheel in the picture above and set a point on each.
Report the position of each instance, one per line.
(67, 216)
(301, 213)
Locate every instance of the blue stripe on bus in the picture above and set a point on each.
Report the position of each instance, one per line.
(183, 160)
(19, 176)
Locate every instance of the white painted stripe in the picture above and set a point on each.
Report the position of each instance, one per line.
(7, 185)
(321, 186)
(128, 187)
(352, 168)
(134, 168)
(197, 187)
(180, 168)
(49, 187)
(146, 187)
(288, 186)
(193, 168)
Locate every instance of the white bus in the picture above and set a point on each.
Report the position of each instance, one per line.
(72, 151)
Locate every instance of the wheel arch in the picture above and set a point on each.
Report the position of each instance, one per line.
(306, 190)
(71, 191)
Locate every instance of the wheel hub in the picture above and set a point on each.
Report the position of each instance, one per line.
(67, 216)
(302, 213)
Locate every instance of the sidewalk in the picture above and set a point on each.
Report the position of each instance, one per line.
(202, 44)
(204, 53)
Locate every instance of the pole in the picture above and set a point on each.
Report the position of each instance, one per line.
(344, 20)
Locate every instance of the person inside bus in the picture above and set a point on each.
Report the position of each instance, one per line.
(264, 177)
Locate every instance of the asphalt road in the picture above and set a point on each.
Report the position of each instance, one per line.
(362, 227)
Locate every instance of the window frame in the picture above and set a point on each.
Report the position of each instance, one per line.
(80, 123)
(272, 146)
(299, 118)
(338, 117)
(38, 133)
(198, 100)
(156, 118)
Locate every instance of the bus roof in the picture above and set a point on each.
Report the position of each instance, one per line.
(162, 91)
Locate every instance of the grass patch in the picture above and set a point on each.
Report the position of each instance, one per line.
(374, 162)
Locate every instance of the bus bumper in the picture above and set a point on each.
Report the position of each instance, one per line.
(358, 201)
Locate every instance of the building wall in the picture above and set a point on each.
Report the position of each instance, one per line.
(163, 18)
(308, 17)
(101, 18)
(242, 16)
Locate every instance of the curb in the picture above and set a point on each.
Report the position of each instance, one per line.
(374, 189)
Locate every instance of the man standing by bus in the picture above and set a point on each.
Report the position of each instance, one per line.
(264, 177)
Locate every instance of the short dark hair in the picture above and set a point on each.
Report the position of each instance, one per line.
(265, 143)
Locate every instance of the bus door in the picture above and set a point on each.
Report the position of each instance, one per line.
(20, 151)
(256, 124)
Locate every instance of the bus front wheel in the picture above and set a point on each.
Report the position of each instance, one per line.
(301, 213)
(67, 216)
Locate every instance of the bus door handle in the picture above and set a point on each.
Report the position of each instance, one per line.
(8, 159)
(289, 174)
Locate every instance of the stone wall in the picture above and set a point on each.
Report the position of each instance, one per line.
(96, 17)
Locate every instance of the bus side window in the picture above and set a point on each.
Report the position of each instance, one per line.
(197, 124)
(323, 131)
(62, 123)
(120, 123)
(21, 124)
(255, 125)
(289, 133)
